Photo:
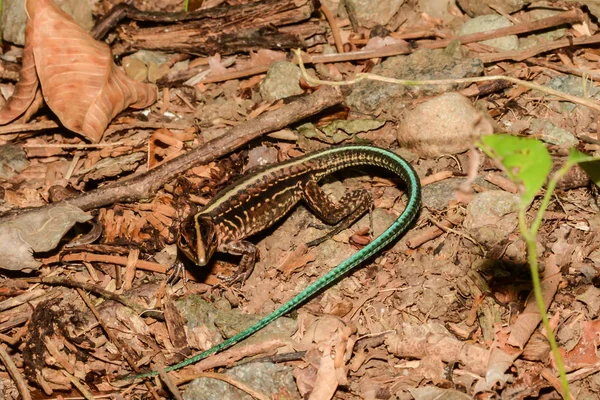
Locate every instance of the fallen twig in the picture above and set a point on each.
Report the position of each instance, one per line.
(568, 17)
(15, 375)
(144, 186)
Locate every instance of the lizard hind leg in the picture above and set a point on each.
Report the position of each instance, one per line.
(342, 214)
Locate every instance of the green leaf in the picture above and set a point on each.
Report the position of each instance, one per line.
(526, 161)
(577, 157)
(592, 168)
(590, 164)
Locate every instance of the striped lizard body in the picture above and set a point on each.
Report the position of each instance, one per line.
(259, 199)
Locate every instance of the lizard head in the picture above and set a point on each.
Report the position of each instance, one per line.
(197, 239)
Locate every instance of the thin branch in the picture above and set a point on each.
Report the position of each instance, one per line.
(13, 371)
(145, 185)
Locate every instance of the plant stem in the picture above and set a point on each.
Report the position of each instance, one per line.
(539, 298)
(530, 234)
(562, 171)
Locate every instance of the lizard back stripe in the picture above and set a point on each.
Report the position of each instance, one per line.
(268, 181)
(318, 165)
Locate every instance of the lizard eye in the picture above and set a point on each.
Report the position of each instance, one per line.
(206, 243)
(187, 239)
(207, 231)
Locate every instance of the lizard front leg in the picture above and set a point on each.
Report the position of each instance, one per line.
(248, 251)
(343, 213)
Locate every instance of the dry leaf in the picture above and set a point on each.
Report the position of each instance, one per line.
(216, 68)
(27, 86)
(265, 57)
(78, 78)
(498, 363)
(35, 232)
(326, 383)
(433, 393)
(584, 354)
(378, 42)
(530, 318)
(418, 341)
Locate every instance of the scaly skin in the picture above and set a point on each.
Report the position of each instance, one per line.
(294, 176)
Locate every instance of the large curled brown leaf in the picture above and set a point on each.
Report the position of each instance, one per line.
(78, 78)
(25, 89)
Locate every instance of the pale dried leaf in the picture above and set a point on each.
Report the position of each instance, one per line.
(322, 329)
(591, 298)
(530, 318)
(79, 80)
(436, 393)
(16, 253)
(584, 353)
(35, 232)
(326, 383)
(378, 42)
(27, 86)
(112, 167)
(215, 65)
(418, 341)
(265, 57)
(498, 363)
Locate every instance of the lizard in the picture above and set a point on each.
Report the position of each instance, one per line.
(259, 199)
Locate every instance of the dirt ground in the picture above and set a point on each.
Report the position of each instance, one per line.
(100, 170)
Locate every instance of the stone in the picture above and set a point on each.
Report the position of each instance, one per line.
(490, 22)
(282, 81)
(474, 8)
(367, 96)
(447, 124)
(369, 13)
(14, 17)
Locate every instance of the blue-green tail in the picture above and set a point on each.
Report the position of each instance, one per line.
(388, 160)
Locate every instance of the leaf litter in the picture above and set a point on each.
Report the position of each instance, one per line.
(452, 315)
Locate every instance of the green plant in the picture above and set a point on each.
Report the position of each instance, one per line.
(528, 164)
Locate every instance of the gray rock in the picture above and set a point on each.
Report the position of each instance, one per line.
(225, 322)
(492, 216)
(14, 17)
(487, 23)
(447, 124)
(382, 219)
(438, 8)
(552, 134)
(267, 378)
(367, 96)
(12, 160)
(368, 13)
(437, 195)
(281, 81)
(573, 85)
(482, 7)
(488, 207)
(542, 37)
